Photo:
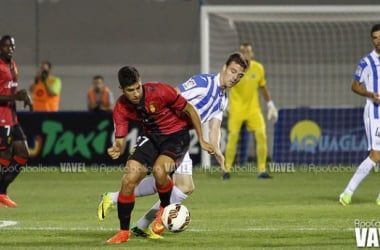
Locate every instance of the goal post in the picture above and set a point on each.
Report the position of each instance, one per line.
(309, 52)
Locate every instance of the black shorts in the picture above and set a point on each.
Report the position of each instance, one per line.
(149, 147)
(8, 134)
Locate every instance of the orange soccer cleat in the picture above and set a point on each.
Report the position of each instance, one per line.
(157, 226)
(120, 237)
(5, 200)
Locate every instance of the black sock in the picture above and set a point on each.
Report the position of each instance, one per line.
(8, 175)
(164, 192)
(124, 211)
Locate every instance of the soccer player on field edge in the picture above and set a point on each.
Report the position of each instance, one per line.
(13, 147)
(366, 83)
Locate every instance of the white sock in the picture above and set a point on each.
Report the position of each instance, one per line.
(114, 196)
(146, 187)
(144, 222)
(177, 196)
(361, 173)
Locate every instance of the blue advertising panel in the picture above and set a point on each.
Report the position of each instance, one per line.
(320, 136)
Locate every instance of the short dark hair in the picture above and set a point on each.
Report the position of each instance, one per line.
(98, 77)
(128, 75)
(375, 28)
(239, 59)
(6, 38)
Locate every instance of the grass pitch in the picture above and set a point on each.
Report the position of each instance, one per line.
(291, 211)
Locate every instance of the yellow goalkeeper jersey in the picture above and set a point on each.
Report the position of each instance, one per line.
(244, 96)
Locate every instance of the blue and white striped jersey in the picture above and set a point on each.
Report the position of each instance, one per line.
(204, 93)
(368, 73)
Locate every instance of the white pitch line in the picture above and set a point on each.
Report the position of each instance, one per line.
(61, 229)
(300, 229)
(297, 229)
(7, 223)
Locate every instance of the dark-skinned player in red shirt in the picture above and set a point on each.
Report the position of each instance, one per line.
(159, 109)
(13, 148)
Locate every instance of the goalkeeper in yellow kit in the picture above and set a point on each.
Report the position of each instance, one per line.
(244, 107)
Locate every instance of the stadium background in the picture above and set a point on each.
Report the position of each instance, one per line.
(161, 38)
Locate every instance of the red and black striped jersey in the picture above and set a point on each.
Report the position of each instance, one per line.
(8, 87)
(158, 111)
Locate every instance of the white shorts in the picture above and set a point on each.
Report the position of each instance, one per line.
(186, 166)
(372, 129)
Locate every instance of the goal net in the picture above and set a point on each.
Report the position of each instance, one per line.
(310, 54)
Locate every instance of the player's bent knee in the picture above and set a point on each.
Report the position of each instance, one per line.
(187, 191)
(128, 186)
(187, 188)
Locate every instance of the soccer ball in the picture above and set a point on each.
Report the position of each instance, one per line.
(176, 217)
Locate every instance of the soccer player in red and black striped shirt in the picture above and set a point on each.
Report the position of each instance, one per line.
(157, 107)
(13, 147)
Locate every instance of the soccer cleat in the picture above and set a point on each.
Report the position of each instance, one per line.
(345, 199)
(105, 205)
(157, 226)
(152, 235)
(226, 176)
(378, 201)
(146, 233)
(5, 200)
(264, 175)
(120, 237)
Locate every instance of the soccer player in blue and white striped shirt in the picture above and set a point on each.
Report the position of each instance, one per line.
(367, 83)
(208, 94)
